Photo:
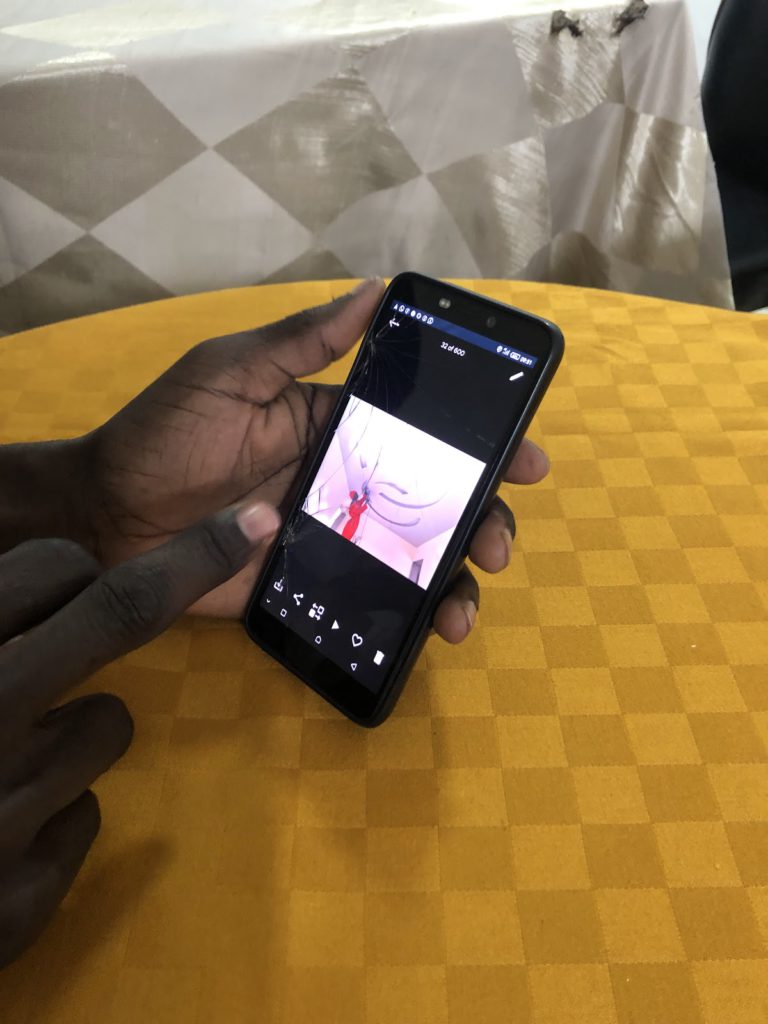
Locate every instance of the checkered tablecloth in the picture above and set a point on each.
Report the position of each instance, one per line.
(149, 150)
(566, 819)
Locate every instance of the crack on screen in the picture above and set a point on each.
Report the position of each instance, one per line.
(290, 537)
(293, 537)
(352, 406)
(392, 361)
(389, 370)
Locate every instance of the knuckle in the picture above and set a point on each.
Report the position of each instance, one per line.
(133, 602)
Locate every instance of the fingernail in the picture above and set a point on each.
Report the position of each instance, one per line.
(258, 521)
(470, 613)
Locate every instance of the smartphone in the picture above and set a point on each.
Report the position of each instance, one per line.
(439, 397)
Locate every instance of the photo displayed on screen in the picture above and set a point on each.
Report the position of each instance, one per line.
(392, 490)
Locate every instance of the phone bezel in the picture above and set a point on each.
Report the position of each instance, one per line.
(534, 335)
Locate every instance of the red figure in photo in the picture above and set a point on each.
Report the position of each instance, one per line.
(394, 491)
(356, 509)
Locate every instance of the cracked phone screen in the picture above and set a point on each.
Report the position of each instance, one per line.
(427, 408)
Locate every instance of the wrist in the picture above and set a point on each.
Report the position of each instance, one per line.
(45, 491)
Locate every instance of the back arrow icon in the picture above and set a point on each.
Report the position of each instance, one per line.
(394, 323)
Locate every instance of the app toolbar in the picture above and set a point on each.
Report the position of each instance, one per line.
(306, 623)
(465, 334)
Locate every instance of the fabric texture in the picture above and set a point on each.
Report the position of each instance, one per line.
(566, 818)
(153, 150)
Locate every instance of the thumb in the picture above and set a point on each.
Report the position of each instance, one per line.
(307, 342)
(127, 606)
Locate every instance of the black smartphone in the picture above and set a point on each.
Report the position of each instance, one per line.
(439, 397)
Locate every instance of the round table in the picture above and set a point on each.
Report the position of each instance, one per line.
(565, 820)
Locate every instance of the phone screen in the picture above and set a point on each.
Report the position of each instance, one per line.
(431, 402)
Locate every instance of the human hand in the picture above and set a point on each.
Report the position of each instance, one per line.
(60, 620)
(231, 421)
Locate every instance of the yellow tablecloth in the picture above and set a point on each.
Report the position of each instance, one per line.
(566, 819)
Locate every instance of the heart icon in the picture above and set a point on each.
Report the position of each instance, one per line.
(356, 639)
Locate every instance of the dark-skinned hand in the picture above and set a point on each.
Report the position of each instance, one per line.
(61, 618)
(230, 420)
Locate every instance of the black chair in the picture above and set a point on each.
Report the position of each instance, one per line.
(735, 99)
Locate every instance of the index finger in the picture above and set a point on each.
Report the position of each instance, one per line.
(126, 607)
